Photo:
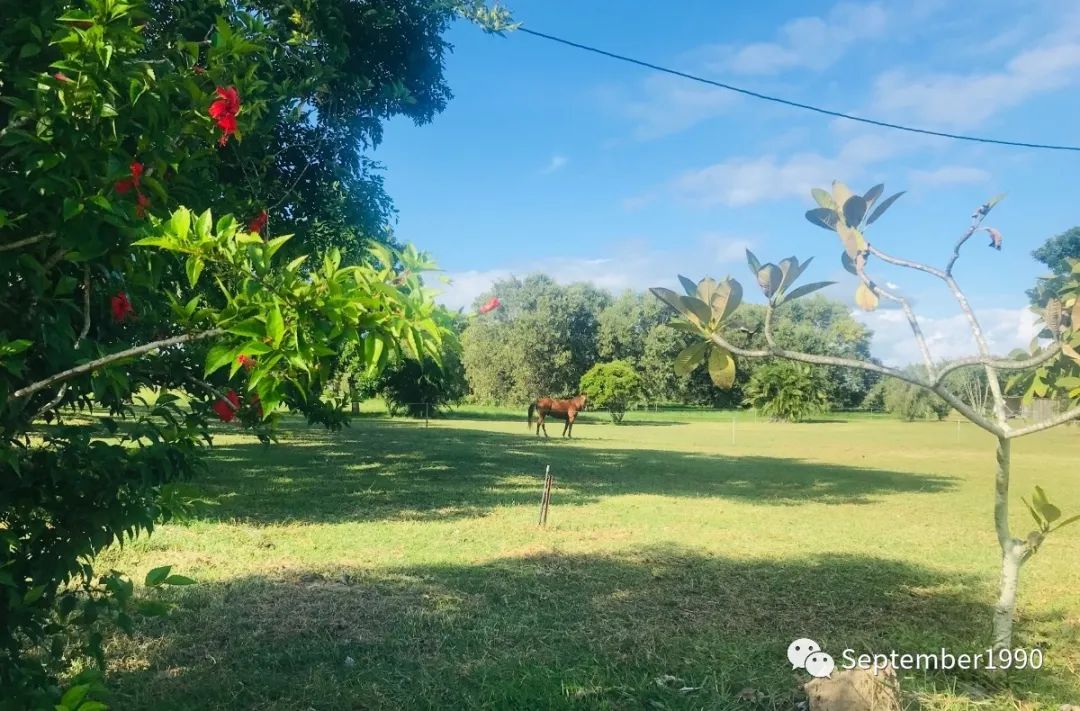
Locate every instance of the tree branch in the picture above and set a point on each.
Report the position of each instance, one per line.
(1025, 364)
(86, 308)
(870, 366)
(93, 365)
(1064, 417)
(920, 339)
(26, 242)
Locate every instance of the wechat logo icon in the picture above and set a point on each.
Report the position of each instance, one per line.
(806, 654)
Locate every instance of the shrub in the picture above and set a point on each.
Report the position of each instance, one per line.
(787, 391)
(612, 386)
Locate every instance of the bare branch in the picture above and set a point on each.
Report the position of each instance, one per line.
(870, 366)
(50, 405)
(906, 263)
(86, 308)
(1025, 364)
(976, 223)
(26, 242)
(916, 329)
(1068, 415)
(93, 365)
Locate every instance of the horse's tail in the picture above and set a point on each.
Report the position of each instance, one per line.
(532, 409)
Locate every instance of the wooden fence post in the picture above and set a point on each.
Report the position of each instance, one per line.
(545, 498)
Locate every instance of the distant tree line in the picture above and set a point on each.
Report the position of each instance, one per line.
(546, 336)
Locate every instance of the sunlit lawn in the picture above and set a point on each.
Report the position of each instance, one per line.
(397, 566)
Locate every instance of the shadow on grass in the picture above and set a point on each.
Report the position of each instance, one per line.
(378, 470)
(656, 628)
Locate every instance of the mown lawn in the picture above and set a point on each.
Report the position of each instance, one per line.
(394, 565)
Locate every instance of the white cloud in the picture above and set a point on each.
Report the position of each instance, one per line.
(631, 266)
(812, 42)
(947, 337)
(949, 175)
(557, 162)
(670, 104)
(965, 100)
(747, 180)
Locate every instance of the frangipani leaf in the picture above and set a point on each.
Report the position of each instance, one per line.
(690, 358)
(726, 299)
(1042, 504)
(752, 260)
(823, 217)
(721, 368)
(685, 327)
(689, 286)
(823, 198)
(873, 194)
(768, 278)
(669, 297)
(885, 205)
(705, 289)
(865, 298)
(806, 289)
(854, 210)
(695, 308)
(849, 263)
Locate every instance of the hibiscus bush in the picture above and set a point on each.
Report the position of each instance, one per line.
(150, 155)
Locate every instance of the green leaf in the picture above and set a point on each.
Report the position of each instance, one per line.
(768, 278)
(194, 266)
(157, 576)
(204, 225)
(179, 580)
(1038, 519)
(34, 594)
(885, 205)
(854, 210)
(275, 326)
(873, 194)
(217, 357)
(721, 368)
(685, 327)
(74, 696)
(823, 217)
(823, 198)
(71, 208)
(275, 244)
(669, 297)
(696, 308)
(726, 298)
(251, 327)
(752, 260)
(849, 263)
(93, 706)
(690, 358)
(1067, 521)
(180, 223)
(688, 285)
(807, 289)
(14, 347)
(1046, 509)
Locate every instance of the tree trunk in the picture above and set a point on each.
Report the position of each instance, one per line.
(354, 396)
(1013, 552)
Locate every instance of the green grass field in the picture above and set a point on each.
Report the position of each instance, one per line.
(394, 565)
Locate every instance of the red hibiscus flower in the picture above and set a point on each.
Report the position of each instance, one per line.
(491, 305)
(226, 407)
(247, 362)
(136, 173)
(121, 307)
(126, 185)
(258, 222)
(142, 202)
(223, 110)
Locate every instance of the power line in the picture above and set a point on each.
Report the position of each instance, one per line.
(794, 104)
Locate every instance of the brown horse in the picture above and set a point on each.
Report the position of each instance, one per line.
(563, 409)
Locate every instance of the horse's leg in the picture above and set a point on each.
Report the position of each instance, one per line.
(543, 423)
(566, 426)
(570, 417)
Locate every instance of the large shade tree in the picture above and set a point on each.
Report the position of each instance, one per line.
(1053, 366)
(149, 155)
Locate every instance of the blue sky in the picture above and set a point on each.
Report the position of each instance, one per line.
(550, 159)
